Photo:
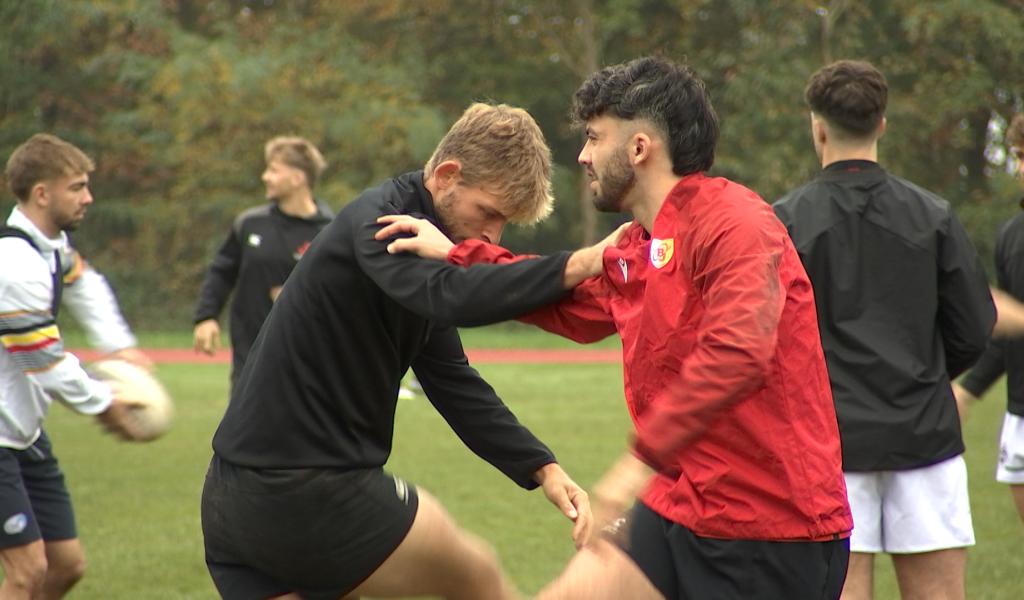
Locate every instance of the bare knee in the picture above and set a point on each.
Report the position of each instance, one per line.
(24, 579)
(66, 573)
(601, 571)
(66, 561)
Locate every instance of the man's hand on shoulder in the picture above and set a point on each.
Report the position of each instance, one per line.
(589, 262)
(426, 240)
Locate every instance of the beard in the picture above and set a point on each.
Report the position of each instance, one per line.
(617, 179)
(446, 218)
(68, 222)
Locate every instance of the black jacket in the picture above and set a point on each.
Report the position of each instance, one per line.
(1005, 355)
(261, 249)
(903, 306)
(319, 388)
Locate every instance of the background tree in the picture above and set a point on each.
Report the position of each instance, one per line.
(175, 99)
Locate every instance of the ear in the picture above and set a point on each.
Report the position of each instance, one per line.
(640, 147)
(447, 174)
(818, 129)
(39, 194)
(881, 128)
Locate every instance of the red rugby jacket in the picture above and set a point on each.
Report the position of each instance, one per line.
(725, 378)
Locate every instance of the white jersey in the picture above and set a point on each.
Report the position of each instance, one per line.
(34, 369)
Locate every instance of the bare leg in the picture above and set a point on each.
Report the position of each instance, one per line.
(1017, 490)
(24, 571)
(439, 558)
(600, 571)
(860, 577)
(938, 575)
(66, 567)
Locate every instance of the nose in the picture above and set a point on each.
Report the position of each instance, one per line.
(492, 232)
(584, 156)
(265, 177)
(87, 198)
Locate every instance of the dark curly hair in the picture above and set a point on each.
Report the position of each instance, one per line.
(668, 94)
(850, 95)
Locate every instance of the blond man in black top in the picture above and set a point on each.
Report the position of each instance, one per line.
(296, 501)
(261, 249)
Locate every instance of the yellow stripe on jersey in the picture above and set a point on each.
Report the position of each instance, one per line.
(30, 338)
(74, 272)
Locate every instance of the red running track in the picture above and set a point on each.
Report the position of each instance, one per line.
(476, 355)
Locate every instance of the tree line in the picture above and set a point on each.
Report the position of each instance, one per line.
(175, 98)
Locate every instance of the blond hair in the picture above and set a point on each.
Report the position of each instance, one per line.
(42, 158)
(1015, 132)
(501, 148)
(298, 153)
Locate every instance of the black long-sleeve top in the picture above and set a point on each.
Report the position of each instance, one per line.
(260, 251)
(1005, 355)
(903, 306)
(319, 388)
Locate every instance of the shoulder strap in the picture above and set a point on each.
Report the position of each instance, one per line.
(58, 275)
(8, 231)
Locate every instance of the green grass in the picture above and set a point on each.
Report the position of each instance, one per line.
(502, 335)
(138, 503)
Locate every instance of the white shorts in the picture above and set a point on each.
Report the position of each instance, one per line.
(1010, 468)
(913, 511)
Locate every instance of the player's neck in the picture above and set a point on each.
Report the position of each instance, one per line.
(298, 204)
(38, 217)
(831, 153)
(651, 192)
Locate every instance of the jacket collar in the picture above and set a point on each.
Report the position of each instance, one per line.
(417, 199)
(46, 245)
(852, 169)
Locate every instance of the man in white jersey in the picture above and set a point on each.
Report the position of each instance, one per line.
(39, 548)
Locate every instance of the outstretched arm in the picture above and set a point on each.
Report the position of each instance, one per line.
(427, 241)
(583, 317)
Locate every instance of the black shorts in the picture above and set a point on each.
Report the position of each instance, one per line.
(685, 566)
(317, 532)
(34, 501)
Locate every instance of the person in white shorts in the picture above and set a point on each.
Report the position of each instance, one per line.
(903, 307)
(1006, 354)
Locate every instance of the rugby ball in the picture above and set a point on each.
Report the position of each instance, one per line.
(155, 411)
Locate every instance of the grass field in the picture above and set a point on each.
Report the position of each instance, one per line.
(138, 504)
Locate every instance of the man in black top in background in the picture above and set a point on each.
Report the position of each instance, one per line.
(262, 248)
(903, 307)
(1006, 354)
(296, 502)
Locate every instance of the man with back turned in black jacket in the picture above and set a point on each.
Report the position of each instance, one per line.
(296, 502)
(903, 307)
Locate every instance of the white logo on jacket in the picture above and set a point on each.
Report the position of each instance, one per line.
(255, 240)
(624, 268)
